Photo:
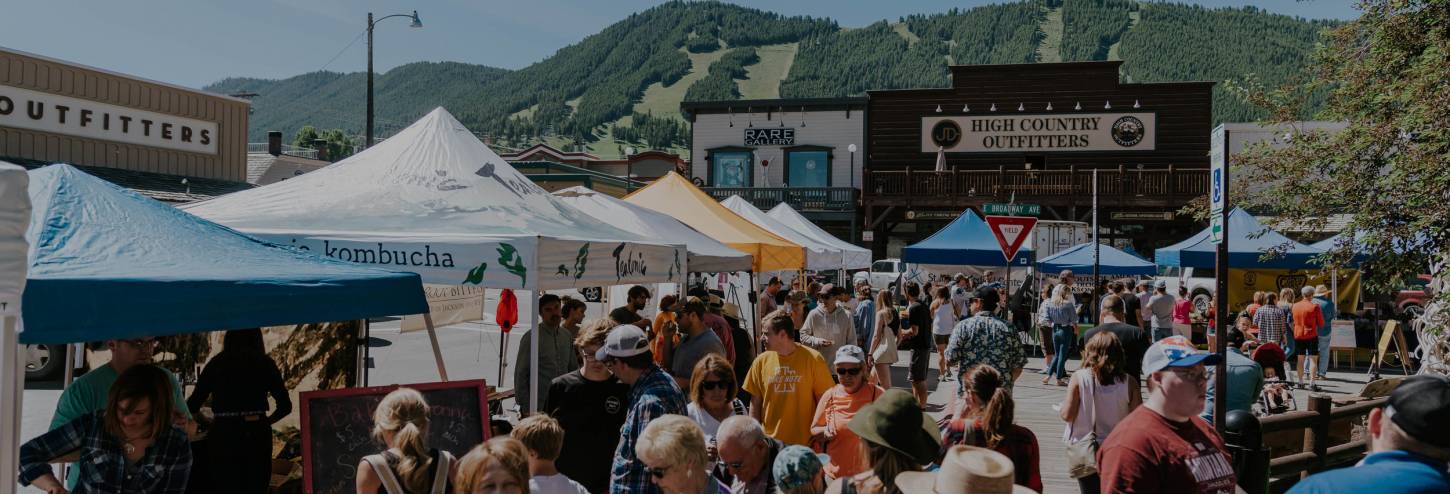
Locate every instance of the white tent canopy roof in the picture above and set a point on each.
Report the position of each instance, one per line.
(435, 200)
(707, 255)
(852, 256)
(819, 256)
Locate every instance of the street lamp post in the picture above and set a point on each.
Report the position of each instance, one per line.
(852, 149)
(416, 24)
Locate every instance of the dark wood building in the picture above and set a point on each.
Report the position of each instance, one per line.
(1033, 133)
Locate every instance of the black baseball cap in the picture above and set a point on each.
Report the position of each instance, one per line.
(1421, 407)
(988, 295)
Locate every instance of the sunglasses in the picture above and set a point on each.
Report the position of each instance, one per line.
(848, 372)
(714, 385)
(658, 473)
(1192, 375)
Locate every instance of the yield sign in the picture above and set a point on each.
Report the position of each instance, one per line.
(1011, 232)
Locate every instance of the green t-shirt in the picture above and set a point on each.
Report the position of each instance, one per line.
(88, 393)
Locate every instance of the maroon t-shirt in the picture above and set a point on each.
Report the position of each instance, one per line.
(1149, 453)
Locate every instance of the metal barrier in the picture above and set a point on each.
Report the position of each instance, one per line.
(1259, 473)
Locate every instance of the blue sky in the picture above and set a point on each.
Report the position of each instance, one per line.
(197, 42)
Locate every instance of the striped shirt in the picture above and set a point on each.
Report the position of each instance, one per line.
(1272, 323)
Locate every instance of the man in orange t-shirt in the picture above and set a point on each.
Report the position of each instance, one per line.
(1307, 320)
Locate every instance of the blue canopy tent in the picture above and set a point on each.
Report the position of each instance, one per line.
(1079, 258)
(107, 263)
(966, 241)
(1247, 239)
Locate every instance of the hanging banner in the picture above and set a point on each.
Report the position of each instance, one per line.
(1242, 283)
(449, 304)
(1058, 132)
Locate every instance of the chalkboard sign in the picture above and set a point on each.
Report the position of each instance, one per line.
(337, 427)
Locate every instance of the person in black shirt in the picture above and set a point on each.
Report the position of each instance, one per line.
(628, 313)
(239, 445)
(916, 336)
(1132, 307)
(589, 404)
(1135, 341)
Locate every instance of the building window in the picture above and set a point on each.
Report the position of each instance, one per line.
(731, 168)
(808, 166)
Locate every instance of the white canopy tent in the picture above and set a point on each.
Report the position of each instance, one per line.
(852, 256)
(14, 220)
(706, 255)
(819, 256)
(436, 201)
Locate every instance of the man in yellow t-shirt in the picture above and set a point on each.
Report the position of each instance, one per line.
(785, 382)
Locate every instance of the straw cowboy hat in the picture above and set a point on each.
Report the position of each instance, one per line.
(965, 470)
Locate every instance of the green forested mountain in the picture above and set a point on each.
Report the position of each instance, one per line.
(591, 91)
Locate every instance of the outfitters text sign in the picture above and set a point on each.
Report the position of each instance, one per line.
(770, 137)
(1065, 132)
(45, 112)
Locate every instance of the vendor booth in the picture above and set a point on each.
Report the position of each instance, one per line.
(819, 256)
(14, 219)
(1110, 262)
(1249, 271)
(434, 200)
(852, 256)
(965, 244)
(705, 254)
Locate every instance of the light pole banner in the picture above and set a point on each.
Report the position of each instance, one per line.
(1058, 132)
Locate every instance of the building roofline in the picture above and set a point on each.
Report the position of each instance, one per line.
(695, 106)
(119, 74)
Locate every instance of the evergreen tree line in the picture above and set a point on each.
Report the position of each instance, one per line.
(1091, 27)
(654, 132)
(719, 83)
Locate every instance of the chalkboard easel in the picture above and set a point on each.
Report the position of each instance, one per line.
(1391, 333)
(337, 428)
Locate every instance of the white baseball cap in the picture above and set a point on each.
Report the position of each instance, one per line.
(625, 340)
(850, 354)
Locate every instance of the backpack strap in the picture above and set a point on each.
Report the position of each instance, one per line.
(384, 473)
(442, 464)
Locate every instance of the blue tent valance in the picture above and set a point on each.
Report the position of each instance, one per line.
(966, 241)
(1248, 240)
(107, 263)
(1079, 258)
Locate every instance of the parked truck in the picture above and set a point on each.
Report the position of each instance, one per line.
(1050, 237)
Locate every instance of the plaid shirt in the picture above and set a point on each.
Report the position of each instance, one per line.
(163, 470)
(984, 339)
(653, 395)
(1272, 323)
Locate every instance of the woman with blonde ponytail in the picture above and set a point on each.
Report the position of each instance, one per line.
(984, 419)
(408, 466)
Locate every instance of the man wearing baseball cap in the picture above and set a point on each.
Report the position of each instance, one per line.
(828, 326)
(985, 339)
(1160, 308)
(1409, 441)
(653, 393)
(836, 408)
(1164, 446)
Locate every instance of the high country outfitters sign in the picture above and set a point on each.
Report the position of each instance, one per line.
(1066, 132)
(524, 263)
(45, 112)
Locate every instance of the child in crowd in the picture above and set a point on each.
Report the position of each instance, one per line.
(543, 437)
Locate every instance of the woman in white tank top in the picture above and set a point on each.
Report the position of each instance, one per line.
(1099, 396)
(943, 321)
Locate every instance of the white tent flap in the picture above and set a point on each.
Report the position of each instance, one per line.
(852, 256)
(707, 255)
(819, 256)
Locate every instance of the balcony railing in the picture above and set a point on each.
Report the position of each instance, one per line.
(981, 184)
(805, 199)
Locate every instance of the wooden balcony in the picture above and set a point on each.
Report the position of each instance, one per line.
(1157, 187)
(803, 199)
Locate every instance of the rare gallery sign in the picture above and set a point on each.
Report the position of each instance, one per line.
(1052, 133)
(45, 112)
(770, 137)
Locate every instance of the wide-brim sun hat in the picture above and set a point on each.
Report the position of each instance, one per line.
(966, 470)
(895, 421)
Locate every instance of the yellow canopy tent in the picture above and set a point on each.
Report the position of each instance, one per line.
(674, 195)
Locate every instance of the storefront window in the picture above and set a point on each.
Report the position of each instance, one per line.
(730, 169)
(809, 169)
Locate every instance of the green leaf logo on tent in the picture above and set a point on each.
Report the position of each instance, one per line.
(509, 258)
(475, 275)
(581, 261)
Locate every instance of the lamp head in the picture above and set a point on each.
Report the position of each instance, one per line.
(417, 23)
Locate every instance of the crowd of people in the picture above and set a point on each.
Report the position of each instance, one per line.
(689, 402)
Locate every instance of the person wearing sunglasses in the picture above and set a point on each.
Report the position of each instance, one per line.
(747, 455)
(712, 396)
(836, 408)
(673, 450)
(1164, 446)
(88, 393)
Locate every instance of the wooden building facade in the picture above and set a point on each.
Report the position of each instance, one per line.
(1034, 133)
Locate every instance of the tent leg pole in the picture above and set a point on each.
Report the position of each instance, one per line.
(12, 391)
(433, 339)
(534, 357)
(754, 313)
(70, 377)
(367, 338)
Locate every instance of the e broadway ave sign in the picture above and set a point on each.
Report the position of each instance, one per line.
(1066, 132)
